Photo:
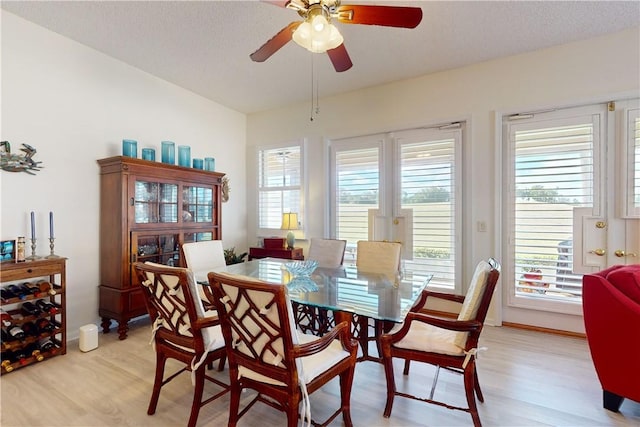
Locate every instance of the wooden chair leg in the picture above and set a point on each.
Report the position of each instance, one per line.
(406, 367)
(292, 416)
(157, 383)
(222, 362)
(391, 385)
(469, 389)
(346, 381)
(234, 403)
(477, 384)
(197, 397)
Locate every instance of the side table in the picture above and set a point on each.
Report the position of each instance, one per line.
(295, 253)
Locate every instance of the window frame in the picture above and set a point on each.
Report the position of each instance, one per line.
(302, 188)
(531, 121)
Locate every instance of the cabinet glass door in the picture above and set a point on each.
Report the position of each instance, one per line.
(155, 202)
(197, 204)
(198, 237)
(158, 248)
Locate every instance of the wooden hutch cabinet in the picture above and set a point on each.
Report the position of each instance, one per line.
(147, 211)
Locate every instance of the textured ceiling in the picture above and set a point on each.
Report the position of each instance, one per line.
(204, 46)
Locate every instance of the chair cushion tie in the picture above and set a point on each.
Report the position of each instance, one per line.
(468, 354)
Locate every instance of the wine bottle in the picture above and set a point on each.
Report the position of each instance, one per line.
(30, 309)
(46, 287)
(48, 345)
(15, 332)
(6, 294)
(20, 356)
(30, 329)
(18, 291)
(34, 289)
(6, 318)
(44, 325)
(34, 351)
(47, 307)
(7, 357)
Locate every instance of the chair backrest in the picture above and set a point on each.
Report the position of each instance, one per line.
(169, 297)
(258, 326)
(478, 297)
(201, 257)
(378, 257)
(328, 252)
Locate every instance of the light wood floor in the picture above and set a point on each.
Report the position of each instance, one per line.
(528, 379)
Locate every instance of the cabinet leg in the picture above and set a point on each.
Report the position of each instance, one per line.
(123, 328)
(106, 325)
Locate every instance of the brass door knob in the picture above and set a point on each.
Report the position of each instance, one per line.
(599, 252)
(620, 253)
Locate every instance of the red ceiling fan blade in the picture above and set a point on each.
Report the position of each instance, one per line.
(388, 16)
(280, 3)
(340, 58)
(275, 43)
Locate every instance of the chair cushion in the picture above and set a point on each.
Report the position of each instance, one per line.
(378, 257)
(429, 338)
(212, 340)
(312, 366)
(627, 280)
(328, 252)
(471, 303)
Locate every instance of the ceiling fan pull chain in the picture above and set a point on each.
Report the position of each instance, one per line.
(311, 115)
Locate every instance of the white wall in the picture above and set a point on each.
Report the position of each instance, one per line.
(600, 69)
(75, 105)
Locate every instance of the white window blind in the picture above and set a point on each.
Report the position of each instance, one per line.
(279, 186)
(633, 144)
(427, 175)
(357, 190)
(553, 173)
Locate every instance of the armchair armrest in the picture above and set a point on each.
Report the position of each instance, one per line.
(452, 325)
(419, 305)
(341, 330)
(205, 322)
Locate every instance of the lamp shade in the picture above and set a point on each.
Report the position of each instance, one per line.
(289, 221)
(317, 36)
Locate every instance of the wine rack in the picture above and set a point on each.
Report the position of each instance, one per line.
(12, 273)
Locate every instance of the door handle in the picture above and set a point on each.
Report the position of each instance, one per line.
(620, 253)
(599, 252)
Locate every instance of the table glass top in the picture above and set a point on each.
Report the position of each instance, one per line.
(383, 297)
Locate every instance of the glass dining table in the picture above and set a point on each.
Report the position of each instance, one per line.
(345, 291)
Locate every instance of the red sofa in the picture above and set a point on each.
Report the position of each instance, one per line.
(611, 307)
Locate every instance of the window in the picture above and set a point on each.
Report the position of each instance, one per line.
(279, 185)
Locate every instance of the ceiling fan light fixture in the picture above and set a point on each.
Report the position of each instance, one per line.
(317, 34)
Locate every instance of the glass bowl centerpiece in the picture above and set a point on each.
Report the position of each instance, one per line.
(300, 272)
(301, 268)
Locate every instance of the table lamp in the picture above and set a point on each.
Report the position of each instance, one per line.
(290, 222)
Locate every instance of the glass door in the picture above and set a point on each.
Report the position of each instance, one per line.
(155, 202)
(401, 187)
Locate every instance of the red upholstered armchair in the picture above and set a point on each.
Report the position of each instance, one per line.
(611, 306)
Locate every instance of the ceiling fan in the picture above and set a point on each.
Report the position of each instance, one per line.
(317, 34)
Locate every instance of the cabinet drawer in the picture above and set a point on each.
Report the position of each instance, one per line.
(27, 270)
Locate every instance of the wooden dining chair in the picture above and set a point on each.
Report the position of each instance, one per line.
(379, 257)
(202, 257)
(180, 331)
(330, 254)
(448, 343)
(267, 354)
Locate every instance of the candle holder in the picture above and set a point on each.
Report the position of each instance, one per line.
(33, 251)
(51, 255)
